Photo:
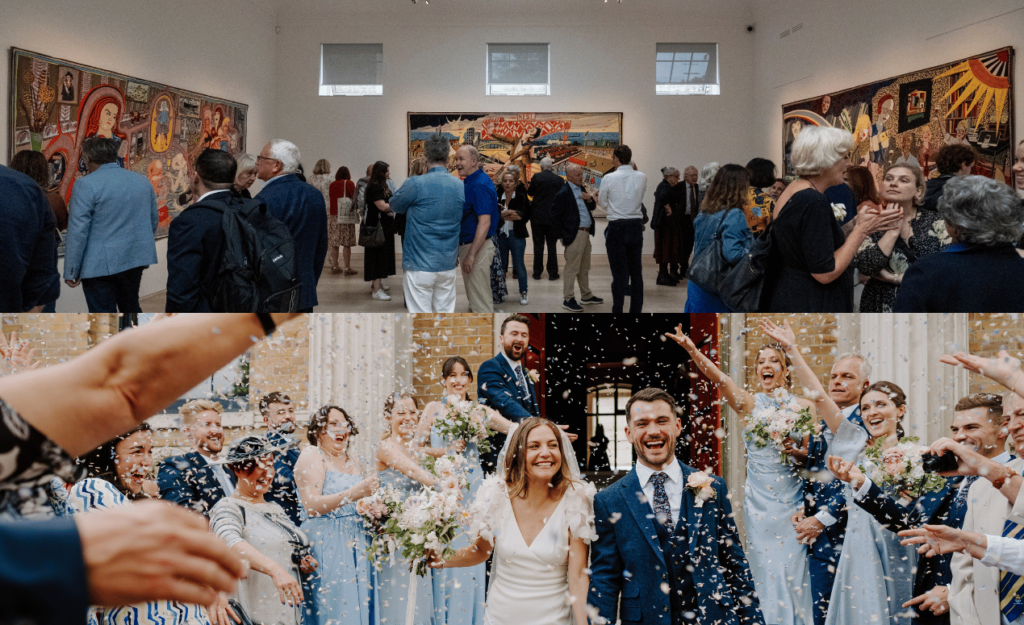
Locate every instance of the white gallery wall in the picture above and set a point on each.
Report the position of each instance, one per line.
(846, 44)
(601, 56)
(224, 49)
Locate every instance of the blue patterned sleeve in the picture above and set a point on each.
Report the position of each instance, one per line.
(95, 494)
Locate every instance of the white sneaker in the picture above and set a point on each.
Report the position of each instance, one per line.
(382, 296)
(386, 287)
(523, 300)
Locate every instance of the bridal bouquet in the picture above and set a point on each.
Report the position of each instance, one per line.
(783, 417)
(427, 520)
(450, 470)
(465, 421)
(899, 469)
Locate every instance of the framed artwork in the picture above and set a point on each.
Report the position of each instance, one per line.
(909, 117)
(159, 130)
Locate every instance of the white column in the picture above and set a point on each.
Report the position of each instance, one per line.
(355, 362)
(732, 343)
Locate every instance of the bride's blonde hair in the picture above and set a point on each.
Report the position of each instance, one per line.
(515, 458)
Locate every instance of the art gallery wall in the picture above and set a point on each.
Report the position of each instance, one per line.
(224, 49)
(846, 44)
(602, 60)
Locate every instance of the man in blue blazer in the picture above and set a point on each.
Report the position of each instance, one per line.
(667, 551)
(504, 384)
(279, 415)
(301, 207)
(979, 424)
(28, 245)
(191, 479)
(112, 222)
(823, 521)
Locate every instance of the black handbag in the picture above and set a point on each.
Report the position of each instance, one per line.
(371, 236)
(237, 607)
(709, 267)
(742, 288)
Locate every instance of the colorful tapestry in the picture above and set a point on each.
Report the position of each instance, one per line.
(159, 130)
(908, 118)
(523, 139)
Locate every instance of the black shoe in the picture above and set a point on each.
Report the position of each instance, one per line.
(536, 276)
(554, 277)
(571, 305)
(676, 276)
(515, 276)
(593, 299)
(664, 280)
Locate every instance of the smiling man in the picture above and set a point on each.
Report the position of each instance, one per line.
(504, 384)
(279, 415)
(191, 480)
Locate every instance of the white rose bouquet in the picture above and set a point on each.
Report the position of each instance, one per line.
(465, 421)
(783, 417)
(450, 470)
(899, 469)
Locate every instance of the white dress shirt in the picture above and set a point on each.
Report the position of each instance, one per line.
(673, 485)
(222, 475)
(622, 192)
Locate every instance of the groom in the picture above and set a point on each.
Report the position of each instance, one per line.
(667, 552)
(504, 384)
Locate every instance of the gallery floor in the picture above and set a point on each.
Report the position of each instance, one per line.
(339, 293)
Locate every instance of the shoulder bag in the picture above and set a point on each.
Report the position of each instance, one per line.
(742, 286)
(709, 267)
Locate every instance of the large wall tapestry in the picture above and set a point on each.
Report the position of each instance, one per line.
(160, 130)
(908, 118)
(523, 139)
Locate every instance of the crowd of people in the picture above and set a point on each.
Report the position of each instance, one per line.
(817, 236)
(825, 543)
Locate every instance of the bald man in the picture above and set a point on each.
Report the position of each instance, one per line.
(480, 219)
(571, 215)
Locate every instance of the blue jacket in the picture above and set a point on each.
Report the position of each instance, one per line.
(188, 480)
(964, 279)
(283, 492)
(42, 573)
(195, 245)
(628, 566)
(28, 244)
(433, 204)
(112, 222)
(497, 388)
(302, 208)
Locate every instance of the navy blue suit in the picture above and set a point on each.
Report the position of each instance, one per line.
(42, 573)
(824, 493)
(28, 244)
(932, 508)
(283, 492)
(629, 565)
(194, 249)
(188, 480)
(497, 387)
(302, 208)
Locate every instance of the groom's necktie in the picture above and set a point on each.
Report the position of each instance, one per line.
(662, 509)
(524, 388)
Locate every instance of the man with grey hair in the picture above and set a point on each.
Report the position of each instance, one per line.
(112, 222)
(302, 209)
(480, 217)
(982, 271)
(572, 214)
(433, 205)
(543, 187)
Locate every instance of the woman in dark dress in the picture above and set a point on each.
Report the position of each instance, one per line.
(379, 262)
(667, 226)
(810, 254)
(886, 256)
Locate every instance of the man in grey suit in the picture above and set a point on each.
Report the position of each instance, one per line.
(111, 225)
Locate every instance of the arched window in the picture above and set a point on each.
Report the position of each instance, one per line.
(606, 407)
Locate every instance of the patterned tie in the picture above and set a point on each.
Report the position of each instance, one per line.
(524, 389)
(1011, 603)
(960, 502)
(662, 509)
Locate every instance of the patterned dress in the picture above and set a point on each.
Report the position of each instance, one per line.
(759, 210)
(929, 236)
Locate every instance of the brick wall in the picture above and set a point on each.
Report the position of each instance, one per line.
(816, 335)
(989, 333)
(438, 337)
(58, 337)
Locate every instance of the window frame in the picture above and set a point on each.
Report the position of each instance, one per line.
(352, 90)
(708, 87)
(511, 88)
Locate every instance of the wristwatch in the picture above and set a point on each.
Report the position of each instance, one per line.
(1008, 473)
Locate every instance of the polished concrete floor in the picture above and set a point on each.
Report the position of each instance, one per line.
(339, 293)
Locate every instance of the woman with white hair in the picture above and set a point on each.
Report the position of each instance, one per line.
(809, 251)
(245, 175)
(982, 271)
(707, 174)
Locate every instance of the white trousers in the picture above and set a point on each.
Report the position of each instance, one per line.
(429, 291)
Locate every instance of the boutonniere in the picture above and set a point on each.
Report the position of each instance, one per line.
(701, 484)
(839, 210)
(533, 375)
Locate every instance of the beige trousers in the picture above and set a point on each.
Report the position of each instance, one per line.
(577, 267)
(478, 283)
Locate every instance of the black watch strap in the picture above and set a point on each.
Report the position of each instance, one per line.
(267, 322)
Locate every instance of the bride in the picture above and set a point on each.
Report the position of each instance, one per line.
(537, 516)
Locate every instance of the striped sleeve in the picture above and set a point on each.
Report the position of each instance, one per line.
(226, 522)
(95, 494)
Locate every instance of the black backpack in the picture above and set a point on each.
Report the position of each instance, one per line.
(258, 270)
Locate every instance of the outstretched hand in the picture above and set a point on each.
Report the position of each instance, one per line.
(682, 339)
(17, 355)
(1004, 368)
(783, 334)
(937, 540)
(846, 471)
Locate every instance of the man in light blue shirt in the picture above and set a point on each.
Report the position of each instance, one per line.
(433, 205)
(571, 212)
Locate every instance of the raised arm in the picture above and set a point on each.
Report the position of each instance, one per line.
(128, 378)
(310, 473)
(1004, 368)
(829, 411)
(738, 399)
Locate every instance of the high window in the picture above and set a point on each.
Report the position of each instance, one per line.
(687, 69)
(352, 69)
(518, 69)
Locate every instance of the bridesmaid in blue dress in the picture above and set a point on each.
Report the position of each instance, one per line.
(772, 493)
(458, 593)
(875, 574)
(329, 482)
(396, 462)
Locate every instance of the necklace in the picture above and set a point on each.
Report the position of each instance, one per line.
(239, 495)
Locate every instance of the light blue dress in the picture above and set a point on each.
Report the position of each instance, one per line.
(344, 589)
(459, 593)
(875, 575)
(393, 579)
(778, 563)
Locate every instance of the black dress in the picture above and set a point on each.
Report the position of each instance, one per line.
(379, 262)
(805, 237)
